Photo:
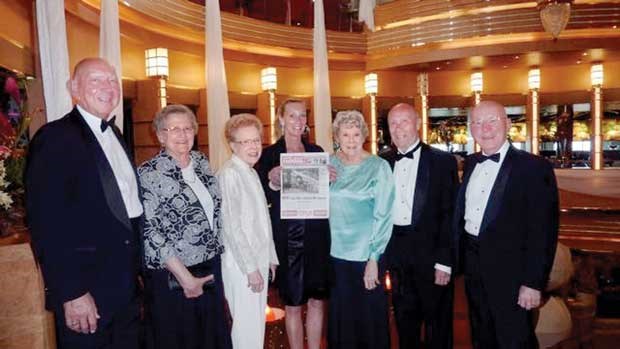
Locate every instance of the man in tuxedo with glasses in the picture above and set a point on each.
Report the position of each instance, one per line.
(506, 219)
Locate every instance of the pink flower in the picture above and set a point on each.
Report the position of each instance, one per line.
(12, 88)
(6, 130)
(5, 152)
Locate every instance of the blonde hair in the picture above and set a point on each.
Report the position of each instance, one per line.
(349, 117)
(239, 121)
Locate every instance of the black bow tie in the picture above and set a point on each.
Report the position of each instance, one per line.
(482, 158)
(409, 154)
(106, 124)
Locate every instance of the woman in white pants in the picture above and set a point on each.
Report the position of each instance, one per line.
(249, 248)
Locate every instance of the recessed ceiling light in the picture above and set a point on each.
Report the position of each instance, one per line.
(584, 54)
(516, 57)
(615, 26)
(437, 68)
(579, 62)
(448, 63)
(505, 67)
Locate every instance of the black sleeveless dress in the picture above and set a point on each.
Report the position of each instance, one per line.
(302, 245)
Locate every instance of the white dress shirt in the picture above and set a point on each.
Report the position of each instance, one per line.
(479, 189)
(206, 201)
(245, 217)
(119, 162)
(405, 178)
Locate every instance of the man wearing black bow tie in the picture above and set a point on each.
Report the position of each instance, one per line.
(420, 251)
(506, 219)
(84, 214)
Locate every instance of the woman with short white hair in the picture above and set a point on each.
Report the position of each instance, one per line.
(250, 252)
(360, 219)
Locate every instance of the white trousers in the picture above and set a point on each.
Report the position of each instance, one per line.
(246, 307)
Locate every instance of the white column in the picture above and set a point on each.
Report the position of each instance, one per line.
(52, 40)
(110, 48)
(322, 108)
(218, 109)
(366, 13)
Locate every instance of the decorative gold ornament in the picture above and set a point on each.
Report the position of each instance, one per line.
(554, 15)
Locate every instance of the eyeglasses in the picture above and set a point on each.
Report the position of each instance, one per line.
(492, 121)
(178, 131)
(248, 142)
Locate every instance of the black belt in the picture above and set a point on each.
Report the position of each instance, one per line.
(471, 242)
(402, 230)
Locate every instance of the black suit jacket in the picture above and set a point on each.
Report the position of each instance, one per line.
(81, 234)
(430, 240)
(519, 230)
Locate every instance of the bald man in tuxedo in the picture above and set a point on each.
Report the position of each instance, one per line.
(506, 219)
(84, 214)
(420, 252)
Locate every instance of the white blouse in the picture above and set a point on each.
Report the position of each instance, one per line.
(245, 217)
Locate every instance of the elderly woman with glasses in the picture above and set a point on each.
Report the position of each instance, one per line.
(360, 219)
(182, 239)
(250, 251)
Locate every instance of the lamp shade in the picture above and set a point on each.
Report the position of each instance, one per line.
(156, 60)
(533, 79)
(269, 79)
(596, 74)
(476, 82)
(423, 84)
(371, 84)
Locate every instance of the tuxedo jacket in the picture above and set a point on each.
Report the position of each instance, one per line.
(519, 229)
(81, 234)
(430, 238)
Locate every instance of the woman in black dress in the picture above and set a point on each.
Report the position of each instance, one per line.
(302, 245)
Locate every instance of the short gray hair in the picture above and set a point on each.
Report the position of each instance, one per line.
(159, 122)
(349, 117)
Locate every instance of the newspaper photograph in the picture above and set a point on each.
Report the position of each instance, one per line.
(305, 186)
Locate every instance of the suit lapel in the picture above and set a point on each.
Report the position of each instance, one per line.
(497, 193)
(421, 185)
(460, 201)
(106, 175)
(390, 156)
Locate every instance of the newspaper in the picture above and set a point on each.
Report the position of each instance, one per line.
(305, 186)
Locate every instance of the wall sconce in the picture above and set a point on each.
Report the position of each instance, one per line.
(156, 62)
(596, 75)
(371, 87)
(269, 84)
(476, 82)
(371, 84)
(269, 79)
(533, 79)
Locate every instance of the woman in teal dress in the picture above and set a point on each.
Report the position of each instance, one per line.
(361, 202)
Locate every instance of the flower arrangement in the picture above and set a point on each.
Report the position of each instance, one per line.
(14, 122)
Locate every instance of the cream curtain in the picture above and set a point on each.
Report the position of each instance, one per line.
(52, 40)
(322, 97)
(110, 47)
(366, 13)
(218, 110)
